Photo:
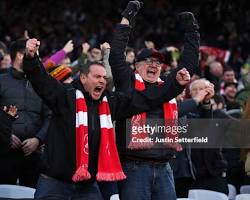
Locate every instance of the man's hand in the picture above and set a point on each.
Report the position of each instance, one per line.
(15, 142)
(69, 47)
(104, 46)
(149, 44)
(85, 47)
(131, 10)
(11, 110)
(30, 145)
(32, 46)
(187, 22)
(172, 49)
(183, 76)
(210, 92)
(200, 96)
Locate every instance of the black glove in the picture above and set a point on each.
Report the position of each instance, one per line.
(131, 10)
(187, 22)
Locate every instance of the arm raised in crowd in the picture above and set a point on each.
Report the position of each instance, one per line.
(45, 86)
(190, 55)
(122, 74)
(57, 57)
(105, 48)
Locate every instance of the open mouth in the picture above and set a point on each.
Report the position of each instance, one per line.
(98, 89)
(151, 72)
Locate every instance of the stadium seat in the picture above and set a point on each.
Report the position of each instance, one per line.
(232, 192)
(16, 191)
(115, 197)
(245, 189)
(242, 197)
(198, 194)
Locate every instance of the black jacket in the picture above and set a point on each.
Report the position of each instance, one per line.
(16, 90)
(60, 143)
(124, 78)
(207, 161)
(5, 131)
(182, 165)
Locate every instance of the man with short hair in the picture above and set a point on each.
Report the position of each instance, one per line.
(209, 163)
(5, 60)
(228, 77)
(147, 168)
(230, 91)
(29, 130)
(80, 147)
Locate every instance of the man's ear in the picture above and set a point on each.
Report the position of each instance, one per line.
(19, 55)
(83, 78)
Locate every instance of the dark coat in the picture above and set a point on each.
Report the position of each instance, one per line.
(5, 131)
(124, 78)
(16, 90)
(60, 148)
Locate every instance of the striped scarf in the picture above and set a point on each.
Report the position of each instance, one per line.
(109, 166)
(139, 120)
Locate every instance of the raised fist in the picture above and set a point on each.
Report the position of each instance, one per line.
(32, 46)
(187, 22)
(183, 76)
(131, 10)
(69, 47)
(85, 47)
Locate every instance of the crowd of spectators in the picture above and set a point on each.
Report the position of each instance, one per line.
(224, 24)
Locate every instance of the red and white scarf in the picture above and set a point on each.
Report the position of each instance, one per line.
(109, 166)
(170, 117)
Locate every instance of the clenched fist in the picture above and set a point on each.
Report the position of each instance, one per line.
(131, 10)
(183, 76)
(32, 46)
(187, 22)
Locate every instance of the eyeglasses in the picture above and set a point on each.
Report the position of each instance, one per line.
(152, 61)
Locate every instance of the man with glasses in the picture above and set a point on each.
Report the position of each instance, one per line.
(149, 175)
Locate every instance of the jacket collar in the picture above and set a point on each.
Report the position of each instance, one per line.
(17, 74)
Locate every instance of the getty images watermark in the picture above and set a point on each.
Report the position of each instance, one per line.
(163, 134)
(196, 133)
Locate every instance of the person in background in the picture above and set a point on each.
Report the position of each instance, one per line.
(245, 153)
(182, 165)
(61, 56)
(213, 72)
(29, 131)
(209, 163)
(228, 77)
(130, 57)
(5, 59)
(232, 106)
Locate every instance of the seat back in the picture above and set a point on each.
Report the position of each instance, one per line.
(115, 197)
(245, 189)
(232, 192)
(16, 191)
(198, 194)
(242, 197)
